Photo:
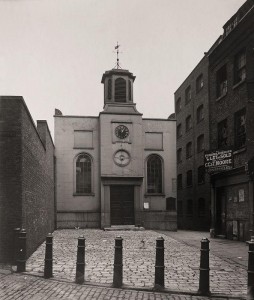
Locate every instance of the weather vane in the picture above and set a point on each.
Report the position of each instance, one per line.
(117, 57)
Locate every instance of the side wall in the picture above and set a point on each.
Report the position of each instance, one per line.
(10, 173)
(26, 177)
(37, 181)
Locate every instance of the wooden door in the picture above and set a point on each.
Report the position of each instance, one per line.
(122, 205)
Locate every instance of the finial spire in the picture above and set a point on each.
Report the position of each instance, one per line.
(117, 56)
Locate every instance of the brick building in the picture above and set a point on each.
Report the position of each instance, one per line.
(231, 106)
(193, 186)
(227, 96)
(116, 168)
(26, 177)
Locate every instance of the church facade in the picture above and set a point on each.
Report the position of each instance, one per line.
(116, 168)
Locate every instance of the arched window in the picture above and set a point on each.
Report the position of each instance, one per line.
(120, 90)
(154, 174)
(109, 89)
(83, 174)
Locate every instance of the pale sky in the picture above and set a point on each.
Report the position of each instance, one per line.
(54, 52)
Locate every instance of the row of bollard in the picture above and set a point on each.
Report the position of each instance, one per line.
(159, 280)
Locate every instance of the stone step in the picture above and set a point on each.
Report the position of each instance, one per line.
(124, 228)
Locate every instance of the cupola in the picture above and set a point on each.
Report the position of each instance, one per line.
(118, 86)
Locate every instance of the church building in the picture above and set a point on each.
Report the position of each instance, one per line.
(116, 168)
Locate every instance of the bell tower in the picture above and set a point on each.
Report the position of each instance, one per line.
(118, 88)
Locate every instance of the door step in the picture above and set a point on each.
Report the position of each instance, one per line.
(124, 228)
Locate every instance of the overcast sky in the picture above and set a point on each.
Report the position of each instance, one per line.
(54, 52)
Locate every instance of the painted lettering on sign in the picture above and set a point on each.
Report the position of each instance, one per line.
(218, 161)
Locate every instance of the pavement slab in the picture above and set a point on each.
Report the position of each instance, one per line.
(181, 261)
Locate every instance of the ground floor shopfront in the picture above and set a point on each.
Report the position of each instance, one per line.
(232, 204)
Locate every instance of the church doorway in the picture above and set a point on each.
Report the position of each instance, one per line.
(122, 204)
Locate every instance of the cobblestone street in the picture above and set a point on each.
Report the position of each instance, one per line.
(23, 287)
(181, 262)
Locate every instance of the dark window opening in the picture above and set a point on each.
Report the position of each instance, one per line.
(178, 105)
(188, 123)
(240, 129)
(200, 113)
(179, 155)
(189, 150)
(222, 83)
(199, 83)
(240, 67)
(179, 181)
(120, 90)
(171, 204)
(189, 178)
(201, 174)
(188, 95)
(200, 143)
(179, 131)
(222, 134)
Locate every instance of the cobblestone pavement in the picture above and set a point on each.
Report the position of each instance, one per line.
(181, 261)
(232, 251)
(23, 287)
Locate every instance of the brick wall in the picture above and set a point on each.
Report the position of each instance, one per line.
(29, 187)
(196, 191)
(10, 173)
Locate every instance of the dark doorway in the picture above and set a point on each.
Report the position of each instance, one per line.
(122, 205)
(221, 212)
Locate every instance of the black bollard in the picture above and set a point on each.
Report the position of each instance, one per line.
(204, 276)
(48, 262)
(80, 269)
(118, 263)
(250, 286)
(159, 263)
(15, 244)
(21, 258)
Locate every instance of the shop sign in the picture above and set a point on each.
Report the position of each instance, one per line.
(218, 161)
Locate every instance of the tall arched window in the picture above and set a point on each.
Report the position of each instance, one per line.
(120, 90)
(154, 174)
(83, 174)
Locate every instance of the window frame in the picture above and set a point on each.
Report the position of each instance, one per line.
(222, 142)
(189, 182)
(161, 192)
(221, 81)
(200, 113)
(201, 174)
(178, 181)
(199, 83)
(238, 69)
(75, 192)
(199, 149)
(188, 121)
(179, 131)
(179, 155)
(188, 95)
(237, 137)
(178, 105)
(188, 150)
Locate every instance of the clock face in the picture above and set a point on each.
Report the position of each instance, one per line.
(122, 158)
(122, 132)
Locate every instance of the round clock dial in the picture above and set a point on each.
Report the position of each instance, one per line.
(121, 131)
(122, 158)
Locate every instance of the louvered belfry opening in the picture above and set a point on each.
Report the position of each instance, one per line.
(120, 90)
